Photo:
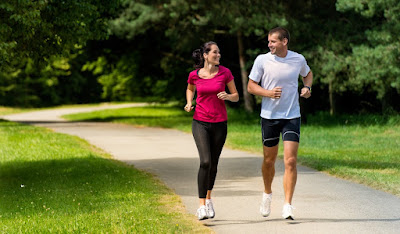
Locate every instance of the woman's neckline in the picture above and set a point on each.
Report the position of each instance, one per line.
(209, 78)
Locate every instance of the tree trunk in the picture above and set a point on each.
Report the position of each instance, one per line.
(387, 107)
(332, 109)
(248, 99)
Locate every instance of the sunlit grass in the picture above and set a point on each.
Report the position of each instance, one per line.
(12, 110)
(154, 116)
(56, 183)
(363, 148)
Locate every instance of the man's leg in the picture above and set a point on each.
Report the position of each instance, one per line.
(290, 176)
(270, 130)
(268, 171)
(268, 167)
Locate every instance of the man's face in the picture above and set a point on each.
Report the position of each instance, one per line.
(275, 45)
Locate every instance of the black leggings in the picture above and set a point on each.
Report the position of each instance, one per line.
(209, 138)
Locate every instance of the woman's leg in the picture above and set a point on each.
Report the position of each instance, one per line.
(217, 141)
(202, 139)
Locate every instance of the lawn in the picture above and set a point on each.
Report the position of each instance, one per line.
(12, 110)
(361, 148)
(56, 183)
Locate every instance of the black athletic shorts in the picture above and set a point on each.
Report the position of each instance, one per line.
(272, 128)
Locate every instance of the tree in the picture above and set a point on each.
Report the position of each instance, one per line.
(187, 23)
(36, 34)
(238, 19)
(376, 63)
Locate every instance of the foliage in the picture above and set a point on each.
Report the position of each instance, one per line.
(376, 63)
(52, 52)
(179, 27)
(44, 28)
(37, 39)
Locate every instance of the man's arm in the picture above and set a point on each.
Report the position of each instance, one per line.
(307, 81)
(254, 88)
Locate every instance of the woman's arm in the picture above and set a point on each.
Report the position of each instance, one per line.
(233, 96)
(189, 97)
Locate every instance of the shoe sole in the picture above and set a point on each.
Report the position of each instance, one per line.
(264, 215)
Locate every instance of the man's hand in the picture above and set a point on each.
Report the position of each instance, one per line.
(276, 92)
(305, 92)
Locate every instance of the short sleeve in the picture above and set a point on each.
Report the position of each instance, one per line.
(257, 70)
(305, 69)
(192, 77)
(229, 77)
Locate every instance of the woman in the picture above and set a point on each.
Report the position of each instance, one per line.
(209, 124)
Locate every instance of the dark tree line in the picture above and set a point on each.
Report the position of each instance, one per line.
(128, 50)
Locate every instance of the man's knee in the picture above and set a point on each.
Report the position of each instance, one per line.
(290, 163)
(269, 160)
(270, 154)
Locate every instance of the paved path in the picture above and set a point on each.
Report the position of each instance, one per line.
(324, 204)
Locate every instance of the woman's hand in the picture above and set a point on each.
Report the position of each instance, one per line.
(223, 96)
(188, 107)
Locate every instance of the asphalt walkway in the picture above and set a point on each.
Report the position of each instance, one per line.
(324, 204)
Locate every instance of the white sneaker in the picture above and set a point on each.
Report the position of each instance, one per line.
(202, 213)
(287, 212)
(210, 209)
(265, 207)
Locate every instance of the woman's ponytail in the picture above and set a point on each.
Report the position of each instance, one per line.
(197, 54)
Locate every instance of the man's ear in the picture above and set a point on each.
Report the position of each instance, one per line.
(285, 41)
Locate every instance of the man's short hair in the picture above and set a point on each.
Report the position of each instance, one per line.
(282, 33)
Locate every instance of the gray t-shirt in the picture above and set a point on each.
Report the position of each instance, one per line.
(274, 71)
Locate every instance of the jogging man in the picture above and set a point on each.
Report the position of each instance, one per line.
(274, 76)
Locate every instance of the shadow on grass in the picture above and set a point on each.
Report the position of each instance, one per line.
(329, 163)
(172, 114)
(77, 185)
(327, 120)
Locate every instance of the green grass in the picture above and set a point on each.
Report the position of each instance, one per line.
(4, 110)
(12, 110)
(165, 116)
(362, 148)
(52, 182)
(365, 149)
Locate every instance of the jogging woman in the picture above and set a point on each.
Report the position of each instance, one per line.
(209, 126)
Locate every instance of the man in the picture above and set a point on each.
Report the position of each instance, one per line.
(278, 73)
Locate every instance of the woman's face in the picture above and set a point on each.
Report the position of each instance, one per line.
(213, 55)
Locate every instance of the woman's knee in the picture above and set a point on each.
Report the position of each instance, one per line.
(205, 164)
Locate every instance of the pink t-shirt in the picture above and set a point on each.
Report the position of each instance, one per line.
(209, 108)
